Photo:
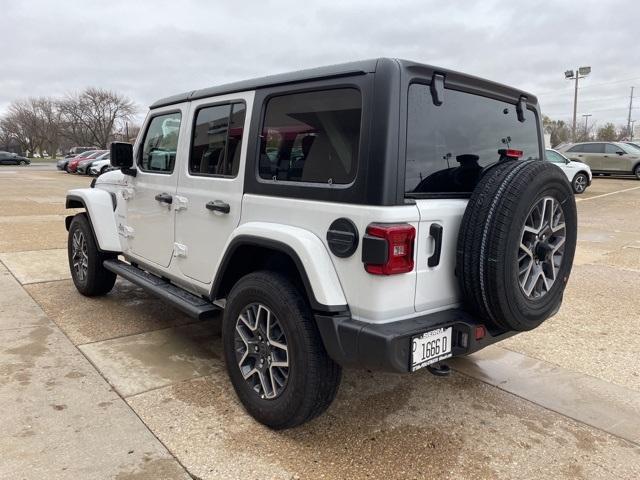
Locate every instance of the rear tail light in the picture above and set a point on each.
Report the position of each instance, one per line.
(388, 249)
(510, 152)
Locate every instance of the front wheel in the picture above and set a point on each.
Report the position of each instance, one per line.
(85, 260)
(23, 163)
(580, 182)
(275, 357)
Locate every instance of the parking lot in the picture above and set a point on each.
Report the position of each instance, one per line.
(130, 388)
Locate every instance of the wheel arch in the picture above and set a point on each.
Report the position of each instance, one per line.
(99, 206)
(247, 253)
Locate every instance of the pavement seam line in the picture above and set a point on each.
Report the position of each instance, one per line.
(106, 380)
(140, 333)
(607, 194)
(528, 400)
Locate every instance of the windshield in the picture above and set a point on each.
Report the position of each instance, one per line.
(449, 145)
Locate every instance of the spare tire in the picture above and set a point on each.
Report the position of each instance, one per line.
(516, 244)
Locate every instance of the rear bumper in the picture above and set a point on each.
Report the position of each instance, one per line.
(387, 346)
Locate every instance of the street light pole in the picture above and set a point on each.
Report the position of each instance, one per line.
(586, 121)
(580, 72)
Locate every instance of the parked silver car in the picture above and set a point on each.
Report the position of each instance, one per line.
(606, 157)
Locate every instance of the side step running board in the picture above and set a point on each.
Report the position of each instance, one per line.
(190, 304)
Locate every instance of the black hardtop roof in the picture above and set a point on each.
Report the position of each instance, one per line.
(332, 71)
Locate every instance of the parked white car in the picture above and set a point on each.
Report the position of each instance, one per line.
(578, 173)
(100, 166)
(372, 213)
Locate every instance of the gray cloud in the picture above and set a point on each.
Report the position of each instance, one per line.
(150, 49)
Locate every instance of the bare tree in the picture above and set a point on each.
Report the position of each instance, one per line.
(92, 116)
(21, 124)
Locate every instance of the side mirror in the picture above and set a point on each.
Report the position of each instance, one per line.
(122, 157)
(620, 152)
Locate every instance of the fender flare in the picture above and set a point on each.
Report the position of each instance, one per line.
(304, 248)
(100, 206)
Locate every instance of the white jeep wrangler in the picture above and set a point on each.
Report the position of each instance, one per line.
(382, 213)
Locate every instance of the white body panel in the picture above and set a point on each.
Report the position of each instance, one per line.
(436, 286)
(151, 222)
(370, 297)
(572, 168)
(311, 251)
(204, 233)
(99, 206)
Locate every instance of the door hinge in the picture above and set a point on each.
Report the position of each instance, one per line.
(180, 203)
(127, 193)
(179, 250)
(125, 231)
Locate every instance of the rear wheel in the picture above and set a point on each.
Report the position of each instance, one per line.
(85, 260)
(23, 162)
(516, 245)
(580, 182)
(275, 357)
(636, 171)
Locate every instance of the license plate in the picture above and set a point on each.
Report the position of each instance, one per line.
(430, 347)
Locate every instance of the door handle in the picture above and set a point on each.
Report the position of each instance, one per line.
(218, 206)
(164, 198)
(436, 232)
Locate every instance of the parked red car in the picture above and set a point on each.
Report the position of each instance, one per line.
(72, 165)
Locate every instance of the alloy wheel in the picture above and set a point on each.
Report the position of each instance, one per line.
(580, 183)
(541, 248)
(261, 351)
(79, 254)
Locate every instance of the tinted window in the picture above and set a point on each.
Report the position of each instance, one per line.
(554, 157)
(449, 145)
(217, 136)
(161, 143)
(593, 148)
(312, 137)
(611, 148)
(576, 148)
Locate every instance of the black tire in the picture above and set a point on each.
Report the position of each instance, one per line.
(103, 169)
(66, 168)
(97, 280)
(313, 377)
(23, 162)
(636, 171)
(489, 243)
(579, 183)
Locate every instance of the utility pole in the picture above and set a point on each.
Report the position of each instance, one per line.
(581, 72)
(586, 121)
(629, 118)
(632, 128)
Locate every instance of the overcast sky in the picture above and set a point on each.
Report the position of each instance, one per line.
(150, 49)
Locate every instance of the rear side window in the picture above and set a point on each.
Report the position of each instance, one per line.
(312, 137)
(160, 143)
(217, 138)
(611, 148)
(449, 145)
(593, 148)
(576, 148)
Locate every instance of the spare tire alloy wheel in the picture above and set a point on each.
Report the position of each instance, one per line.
(261, 351)
(541, 247)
